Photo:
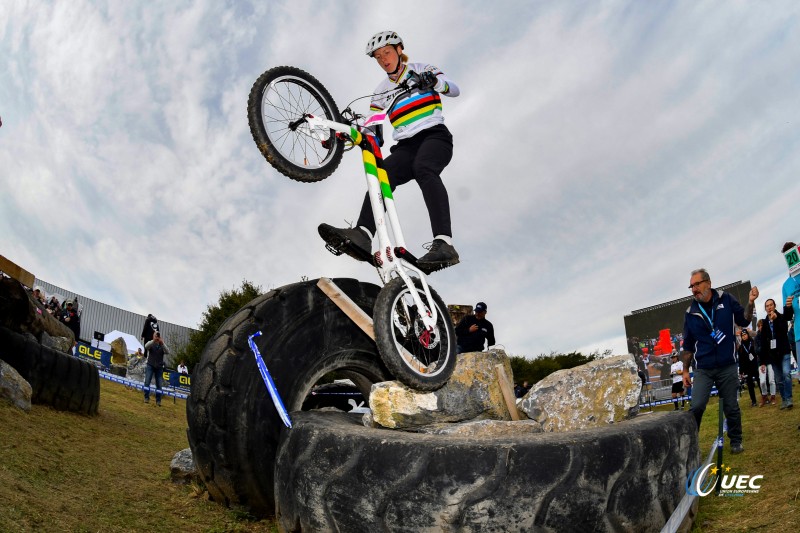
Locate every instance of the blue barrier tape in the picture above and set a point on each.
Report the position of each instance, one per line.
(656, 403)
(141, 386)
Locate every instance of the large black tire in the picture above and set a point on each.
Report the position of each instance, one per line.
(334, 474)
(395, 330)
(278, 100)
(57, 379)
(233, 425)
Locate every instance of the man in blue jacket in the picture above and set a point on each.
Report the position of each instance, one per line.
(709, 333)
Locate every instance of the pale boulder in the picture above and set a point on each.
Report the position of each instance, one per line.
(598, 393)
(119, 351)
(14, 388)
(473, 392)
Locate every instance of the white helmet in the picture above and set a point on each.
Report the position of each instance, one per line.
(381, 39)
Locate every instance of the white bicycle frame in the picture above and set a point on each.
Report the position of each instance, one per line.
(384, 211)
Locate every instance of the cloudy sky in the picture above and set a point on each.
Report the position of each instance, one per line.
(603, 150)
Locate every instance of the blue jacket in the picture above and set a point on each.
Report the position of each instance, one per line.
(697, 331)
(791, 287)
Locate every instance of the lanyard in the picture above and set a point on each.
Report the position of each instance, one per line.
(710, 320)
(771, 329)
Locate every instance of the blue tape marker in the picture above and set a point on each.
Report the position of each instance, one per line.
(273, 391)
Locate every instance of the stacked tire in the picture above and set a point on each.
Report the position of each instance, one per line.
(57, 379)
(234, 428)
(334, 474)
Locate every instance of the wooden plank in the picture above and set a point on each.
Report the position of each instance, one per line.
(348, 306)
(17, 272)
(508, 392)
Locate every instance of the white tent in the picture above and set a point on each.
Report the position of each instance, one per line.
(130, 341)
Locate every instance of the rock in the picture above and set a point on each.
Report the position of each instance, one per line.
(473, 392)
(62, 344)
(601, 392)
(119, 370)
(484, 428)
(14, 388)
(182, 468)
(19, 311)
(136, 367)
(119, 351)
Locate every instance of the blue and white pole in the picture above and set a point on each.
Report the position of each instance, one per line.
(273, 391)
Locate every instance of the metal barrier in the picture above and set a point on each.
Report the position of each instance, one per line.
(682, 509)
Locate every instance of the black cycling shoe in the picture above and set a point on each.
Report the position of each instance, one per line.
(440, 255)
(351, 241)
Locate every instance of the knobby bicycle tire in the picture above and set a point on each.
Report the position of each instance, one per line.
(279, 98)
(388, 335)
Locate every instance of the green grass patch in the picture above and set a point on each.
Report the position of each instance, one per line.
(772, 449)
(64, 472)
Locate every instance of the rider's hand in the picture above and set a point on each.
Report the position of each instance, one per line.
(427, 80)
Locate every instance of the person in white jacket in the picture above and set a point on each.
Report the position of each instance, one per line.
(424, 148)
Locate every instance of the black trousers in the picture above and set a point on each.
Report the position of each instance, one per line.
(421, 158)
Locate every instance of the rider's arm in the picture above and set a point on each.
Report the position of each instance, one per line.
(445, 85)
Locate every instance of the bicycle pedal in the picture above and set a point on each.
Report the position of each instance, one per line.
(332, 249)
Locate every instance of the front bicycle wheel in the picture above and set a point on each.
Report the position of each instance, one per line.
(418, 358)
(278, 101)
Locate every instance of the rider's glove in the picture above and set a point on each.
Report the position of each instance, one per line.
(427, 80)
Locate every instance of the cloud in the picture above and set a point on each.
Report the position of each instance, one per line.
(602, 151)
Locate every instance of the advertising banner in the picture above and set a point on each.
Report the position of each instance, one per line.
(93, 354)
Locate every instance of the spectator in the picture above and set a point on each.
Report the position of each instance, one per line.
(791, 287)
(38, 295)
(708, 336)
(473, 330)
(148, 330)
(182, 368)
(156, 349)
(766, 377)
(676, 371)
(71, 319)
(775, 344)
(519, 392)
(54, 307)
(748, 364)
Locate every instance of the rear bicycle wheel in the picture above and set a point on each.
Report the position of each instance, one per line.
(278, 101)
(418, 358)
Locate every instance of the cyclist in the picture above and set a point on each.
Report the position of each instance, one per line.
(424, 148)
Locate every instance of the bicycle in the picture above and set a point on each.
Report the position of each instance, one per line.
(299, 130)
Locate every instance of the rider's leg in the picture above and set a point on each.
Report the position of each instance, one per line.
(433, 156)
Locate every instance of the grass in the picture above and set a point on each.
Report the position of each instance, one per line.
(64, 472)
(772, 444)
